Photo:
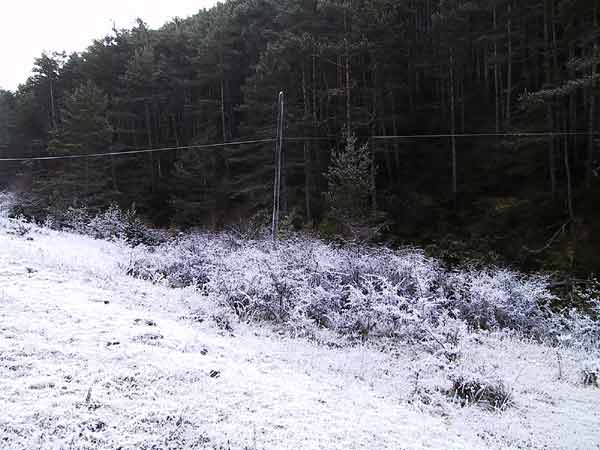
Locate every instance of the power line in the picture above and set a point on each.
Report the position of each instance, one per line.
(295, 139)
(303, 139)
(165, 149)
(467, 135)
(135, 152)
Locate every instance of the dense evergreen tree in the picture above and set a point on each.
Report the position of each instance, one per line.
(7, 124)
(370, 67)
(84, 130)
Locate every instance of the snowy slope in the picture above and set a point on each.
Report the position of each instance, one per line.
(93, 359)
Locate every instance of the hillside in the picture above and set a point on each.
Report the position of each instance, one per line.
(91, 358)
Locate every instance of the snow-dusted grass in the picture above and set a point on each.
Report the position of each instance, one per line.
(310, 347)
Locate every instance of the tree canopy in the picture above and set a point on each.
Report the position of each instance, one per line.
(369, 67)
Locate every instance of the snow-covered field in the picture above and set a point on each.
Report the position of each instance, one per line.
(91, 358)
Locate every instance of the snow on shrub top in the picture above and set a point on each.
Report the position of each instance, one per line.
(7, 202)
(357, 291)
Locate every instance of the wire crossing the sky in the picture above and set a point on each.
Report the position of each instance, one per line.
(136, 152)
(471, 135)
(165, 149)
(298, 139)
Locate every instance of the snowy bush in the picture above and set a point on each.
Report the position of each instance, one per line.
(590, 374)
(15, 223)
(575, 327)
(109, 224)
(498, 299)
(307, 285)
(20, 226)
(360, 292)
(73, 219)
(112, 223)
(474, 391)
(7, 202)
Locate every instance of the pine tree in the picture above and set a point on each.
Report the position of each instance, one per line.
(350, 183)
(7, 126)
(84, 130)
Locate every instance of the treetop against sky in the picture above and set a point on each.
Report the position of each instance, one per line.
(27, 28)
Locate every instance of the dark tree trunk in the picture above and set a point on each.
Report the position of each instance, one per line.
(453, 131)
(549, 106)
(592, 108)
(509, 66)
(307, 151)
(149, 136)
(496, 76)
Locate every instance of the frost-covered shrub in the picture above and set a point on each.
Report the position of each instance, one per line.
(357, 291)
(7, 203)
(109, 224)
(259, 287)
(74, 219)
(573, 327)
(71, 219)
(254, 227)
(499, 299)
(19, 226)
(112, 223)
(474, 391)
(181, 262)
(590, 374)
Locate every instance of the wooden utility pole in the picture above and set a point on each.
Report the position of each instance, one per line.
(278, 166)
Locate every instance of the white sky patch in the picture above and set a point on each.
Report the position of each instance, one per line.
(27, 28)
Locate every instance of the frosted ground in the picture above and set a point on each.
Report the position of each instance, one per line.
(101, 348)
